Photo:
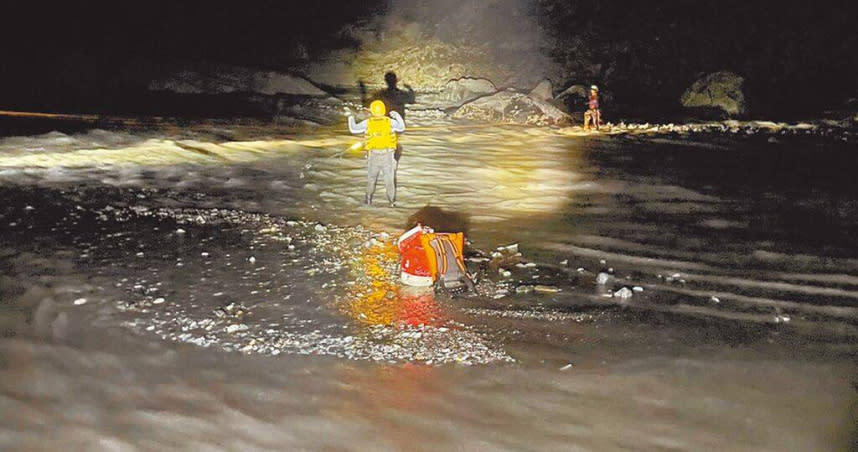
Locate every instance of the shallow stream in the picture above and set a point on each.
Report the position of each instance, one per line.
(221, 286)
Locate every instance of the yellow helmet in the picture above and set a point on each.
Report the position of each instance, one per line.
(377, 108)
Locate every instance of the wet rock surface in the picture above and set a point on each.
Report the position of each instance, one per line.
(513, 107)
(225, 79)
(720, 90)
(257, 284)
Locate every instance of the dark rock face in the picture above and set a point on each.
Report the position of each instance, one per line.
(574, 98)
(720, 90)
(214, 80)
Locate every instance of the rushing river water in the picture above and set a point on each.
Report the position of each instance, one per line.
(222, 287)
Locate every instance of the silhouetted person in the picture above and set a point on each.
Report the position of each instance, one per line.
(394, 99)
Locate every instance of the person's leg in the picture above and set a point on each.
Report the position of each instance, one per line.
(372, 169)
(598, 118)
(586, 119)
(396, 157)
(390, 176)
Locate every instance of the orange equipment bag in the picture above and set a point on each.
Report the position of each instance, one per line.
(445, 254)
(414, 263)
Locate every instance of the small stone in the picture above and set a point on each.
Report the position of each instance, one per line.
(602, 278)
(80, 301)
(320, 228)
(234, 328)
(158, 300)
(524, 289)
(564, 262)
(251, 259)
(714, 299)
(638, 289)
(513, 248)
(566, 367)
(623, 293)
(546, 289)
(180, 231)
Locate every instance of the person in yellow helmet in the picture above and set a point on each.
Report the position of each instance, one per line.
(381, 141)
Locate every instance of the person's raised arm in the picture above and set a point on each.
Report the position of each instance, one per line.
(397, 122)
(411, 97)
(357, 127)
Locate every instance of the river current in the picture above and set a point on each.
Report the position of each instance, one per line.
(222, 287)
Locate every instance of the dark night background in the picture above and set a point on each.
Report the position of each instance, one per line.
(798, 59)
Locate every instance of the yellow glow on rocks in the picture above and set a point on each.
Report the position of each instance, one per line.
(426, 64)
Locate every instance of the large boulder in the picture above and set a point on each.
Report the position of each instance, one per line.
(514, 107)
(720, 90)
(466, 89)
(224, 80)
(543, 91)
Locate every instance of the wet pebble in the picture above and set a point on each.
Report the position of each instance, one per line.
(623, 293)
(603, 278)
(543, 289)
(234, 328)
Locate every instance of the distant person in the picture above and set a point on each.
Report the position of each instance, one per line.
(395, 99)
(381, 141)
(593, 114)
